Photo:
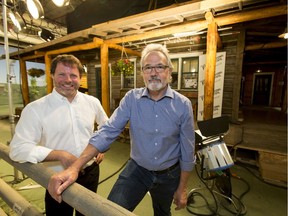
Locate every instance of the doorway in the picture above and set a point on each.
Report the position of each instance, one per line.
(262, 89)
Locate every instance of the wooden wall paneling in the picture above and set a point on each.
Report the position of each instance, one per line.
(238, 76)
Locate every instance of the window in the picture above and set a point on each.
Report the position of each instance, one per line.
(189, 73)
(174, 81)
(185, 71)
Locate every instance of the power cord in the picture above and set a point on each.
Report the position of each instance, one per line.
(114, 173)
(219, 199)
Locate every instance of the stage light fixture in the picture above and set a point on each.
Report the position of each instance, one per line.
(284, 34)
(35, 9)
(46, 35)
(60, 3)
(17, 20)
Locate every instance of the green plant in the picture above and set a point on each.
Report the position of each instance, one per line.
(122, 66)
(35, 73)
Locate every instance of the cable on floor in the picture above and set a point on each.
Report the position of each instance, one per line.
(114, 173)
(213, 209)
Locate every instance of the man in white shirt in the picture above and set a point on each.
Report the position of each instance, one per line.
(56, 129)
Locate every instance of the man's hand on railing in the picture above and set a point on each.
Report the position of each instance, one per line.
(60, 181)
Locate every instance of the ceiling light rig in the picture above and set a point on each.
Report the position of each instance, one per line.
(46, 35)
(61, 3)
(35, 9)
(17, 20)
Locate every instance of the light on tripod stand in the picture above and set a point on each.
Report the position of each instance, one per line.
(213, 153)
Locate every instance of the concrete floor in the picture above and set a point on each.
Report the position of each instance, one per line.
(260, 198)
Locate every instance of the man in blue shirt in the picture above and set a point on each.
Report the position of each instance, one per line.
(162, 141)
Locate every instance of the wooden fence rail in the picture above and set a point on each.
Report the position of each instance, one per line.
(85, 201)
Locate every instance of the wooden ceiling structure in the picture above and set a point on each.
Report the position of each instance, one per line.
(135, 31)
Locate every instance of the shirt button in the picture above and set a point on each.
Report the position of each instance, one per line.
(156, 144)
(155, 158)
(156, 130)
(156, 116)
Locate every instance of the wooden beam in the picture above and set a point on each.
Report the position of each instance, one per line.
(185, 9)
(87, 46)
(210, 18)
(271, 45)
(35, 56)
(104, 53)
(128, 51)
(24, 78)
(210, 71)
(49, 80)
(198, 25)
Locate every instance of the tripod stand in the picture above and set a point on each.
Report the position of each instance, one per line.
(214, 161)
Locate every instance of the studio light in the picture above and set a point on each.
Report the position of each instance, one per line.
(35, 9)
(60, 3)
(17, 20)
(46, 35)
(284, 34)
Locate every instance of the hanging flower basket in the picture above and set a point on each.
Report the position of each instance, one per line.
(122, 66)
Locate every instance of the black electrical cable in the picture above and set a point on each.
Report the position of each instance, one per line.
(240, 207)
(214, 212)
(114, 173)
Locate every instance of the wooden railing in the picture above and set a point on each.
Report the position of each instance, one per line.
(80, 198)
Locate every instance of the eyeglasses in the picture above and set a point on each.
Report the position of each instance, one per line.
(158, 68)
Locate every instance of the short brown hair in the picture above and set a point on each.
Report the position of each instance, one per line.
(68, 60)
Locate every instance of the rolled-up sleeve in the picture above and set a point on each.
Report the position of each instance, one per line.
(24, 144)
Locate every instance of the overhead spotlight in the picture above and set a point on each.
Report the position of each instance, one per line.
(46, 35)
(60, 3)
(22, 7)
(35, 9)
(284, 34)
(17, 20)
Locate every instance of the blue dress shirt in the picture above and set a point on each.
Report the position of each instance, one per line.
(161, 132)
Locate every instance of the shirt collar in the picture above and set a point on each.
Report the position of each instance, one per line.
(168, 93)
(62, 98)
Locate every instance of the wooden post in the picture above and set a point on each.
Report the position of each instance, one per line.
(105, 78)
(210, 68)
(24, 86)
(47, 71)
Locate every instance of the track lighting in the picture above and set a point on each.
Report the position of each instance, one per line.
(60, 3)
(35, 9)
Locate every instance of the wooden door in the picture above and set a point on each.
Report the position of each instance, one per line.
(262, 89)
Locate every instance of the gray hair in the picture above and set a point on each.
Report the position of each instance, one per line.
(155, 48)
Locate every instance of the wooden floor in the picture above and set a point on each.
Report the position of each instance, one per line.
(264, 143)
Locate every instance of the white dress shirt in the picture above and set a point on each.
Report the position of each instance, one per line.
(53, 123)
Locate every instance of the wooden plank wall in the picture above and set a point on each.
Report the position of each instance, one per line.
(230, 44)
